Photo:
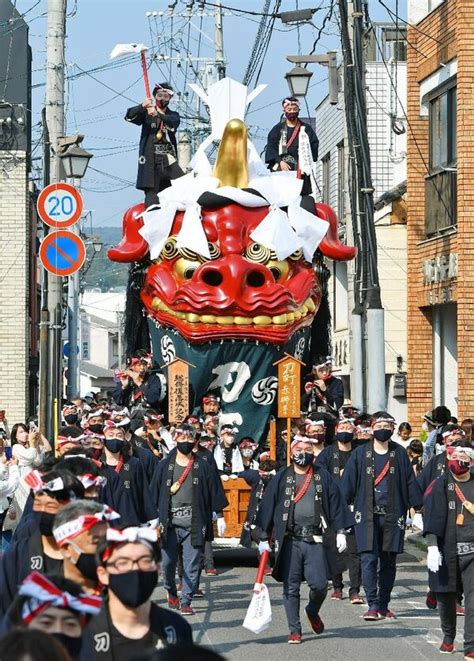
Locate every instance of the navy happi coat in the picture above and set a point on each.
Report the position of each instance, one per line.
(208, 496)
(403, 492)
(273, 513)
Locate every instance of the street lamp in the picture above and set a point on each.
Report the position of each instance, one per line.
(97, 244)
(75, 161)
(298, 80)
(298, 77)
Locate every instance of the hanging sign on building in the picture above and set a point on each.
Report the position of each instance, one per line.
(440, 269)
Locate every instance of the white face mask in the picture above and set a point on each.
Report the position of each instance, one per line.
(247, 453)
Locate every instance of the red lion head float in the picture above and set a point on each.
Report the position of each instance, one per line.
(243, 291)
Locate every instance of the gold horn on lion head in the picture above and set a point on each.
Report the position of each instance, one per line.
(231, 163)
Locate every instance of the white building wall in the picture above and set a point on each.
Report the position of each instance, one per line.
(388, 160)
(387, 150)
(14, 274)
(103, 304)
(99, 346)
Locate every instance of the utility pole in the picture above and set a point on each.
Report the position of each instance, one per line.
(367, 285)
(44, 417)
(184, 149)
(219, 43)
(55, 58)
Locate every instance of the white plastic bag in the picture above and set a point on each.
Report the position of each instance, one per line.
(259, 613)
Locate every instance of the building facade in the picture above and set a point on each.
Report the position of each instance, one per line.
(440, 228)
(100, 347)
(18, 271)
(387, 138)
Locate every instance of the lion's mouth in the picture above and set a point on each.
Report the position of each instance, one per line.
(284, 319)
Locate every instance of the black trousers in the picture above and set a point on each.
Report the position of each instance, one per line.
(352, 559)
(379, 569)
(163, 176)
(447, 605)
(302, 561)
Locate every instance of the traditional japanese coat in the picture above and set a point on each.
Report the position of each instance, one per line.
(132, 493)
(275, 509)
(403, 492)
(146, 159)
(275, 140)
(329, 459)
(22, 557)
(168, 628)
(149, 393)
(253, 479)
(436, 466)
(207, 494)
(439, 518)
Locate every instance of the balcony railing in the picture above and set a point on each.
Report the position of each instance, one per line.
(440, 202)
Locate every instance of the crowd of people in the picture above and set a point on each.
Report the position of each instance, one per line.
(125, 498)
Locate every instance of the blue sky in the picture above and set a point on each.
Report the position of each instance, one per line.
(95, 107)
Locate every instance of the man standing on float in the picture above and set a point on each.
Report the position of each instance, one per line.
(157, 160)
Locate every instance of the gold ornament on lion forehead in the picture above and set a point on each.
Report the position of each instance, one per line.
(231, 163)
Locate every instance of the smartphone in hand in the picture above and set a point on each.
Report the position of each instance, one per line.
(8, 452)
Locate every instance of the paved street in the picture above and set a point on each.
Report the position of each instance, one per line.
(218, 620)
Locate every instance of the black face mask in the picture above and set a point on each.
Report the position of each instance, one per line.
(87, 565)
(96, 453)
(46, 524)
(114, 444)
(71, 419)
(344, 436)
(303, 459)
(292, 116)
(73, 645)
(97, 428)
(185, 447)
(382, 435)
(134, 587)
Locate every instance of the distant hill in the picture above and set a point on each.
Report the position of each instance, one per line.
(107, 275)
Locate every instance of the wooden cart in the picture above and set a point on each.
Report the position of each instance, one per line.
(238, 495)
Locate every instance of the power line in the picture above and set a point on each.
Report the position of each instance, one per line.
(326, 19)
(413, 134)
(241, 11)
(411, 25)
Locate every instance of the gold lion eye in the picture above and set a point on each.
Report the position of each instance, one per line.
(214, 250)
(169, 250)
(279, 269)
(188, 254)
(185, 268)
(295, 256)
(255, 252)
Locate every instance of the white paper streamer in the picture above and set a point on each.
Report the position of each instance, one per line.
(276, 233)
(310, 229)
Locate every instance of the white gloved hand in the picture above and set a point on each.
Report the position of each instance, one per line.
(224, 478)
(264, 546)
(233, 476)
(341, 542)
(221, 527)
(418, 521)
(434, 559)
